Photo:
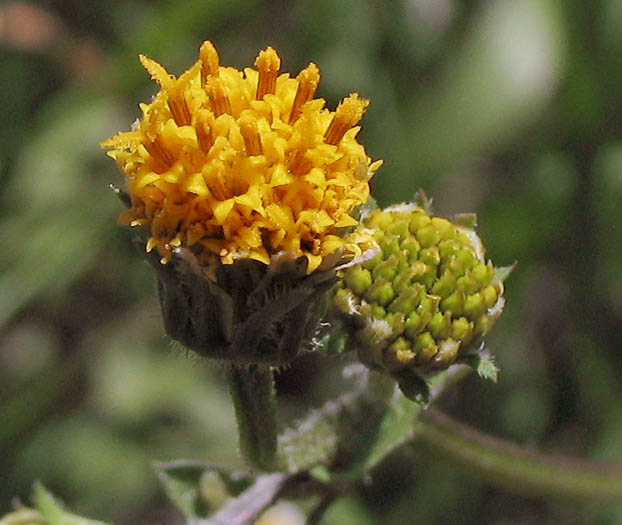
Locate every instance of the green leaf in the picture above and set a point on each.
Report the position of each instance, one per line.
(335, 343)
(23, 516)
(53, 512)
(413, 386)
(503, 272)
(198, 489)
(364, 210)
(249, 505)
(422, 200)
(396, 425)
(376, 442)
(483, 363)
(468, 220)
(342, 440)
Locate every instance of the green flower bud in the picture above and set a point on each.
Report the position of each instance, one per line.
(424, 301)
(359, 280)
(380, 292)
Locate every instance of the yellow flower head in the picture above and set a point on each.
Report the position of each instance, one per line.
(245, 165)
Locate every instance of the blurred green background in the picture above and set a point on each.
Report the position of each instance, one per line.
(508, 108)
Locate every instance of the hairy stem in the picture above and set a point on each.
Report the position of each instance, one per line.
(515, 467)
(252, 392)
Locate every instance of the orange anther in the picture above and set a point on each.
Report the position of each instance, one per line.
(248, 128)
(161, 158)
(209, 61)
(348, 114)
(217, 96)
(204, 126)
(178, 105)
(268, 64)
(308, 80)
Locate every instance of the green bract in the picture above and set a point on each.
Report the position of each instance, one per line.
(427, 296)
(246, 313)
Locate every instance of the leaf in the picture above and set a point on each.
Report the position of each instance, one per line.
(503, 272)
(372, 444)
(53, 512)
(198, 489)
(344, 439)
(23, 516)
(483, 363)
(422, 200)
(249, 505)
(334, 343)
(362, 211)
(61, 217)
(414, 388)
(366, 435)
(394, 430)
(397, 424)
(468, 220)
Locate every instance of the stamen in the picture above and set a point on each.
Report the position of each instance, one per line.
(248, 128)
(348, 114)
(217, 96)
(308, 80)
(299, 165)
(178, 105)
(161, 158)
(218, 188)
(209, 61)
(204, 126)
(268, 64)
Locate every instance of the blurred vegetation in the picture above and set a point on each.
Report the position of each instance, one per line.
(511, 109)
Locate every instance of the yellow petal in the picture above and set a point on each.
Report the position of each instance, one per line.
(280, 177)
(260, 255)
(196, 184)
(280, 216)
(157, 71)
(147, 178)
(317, 177)
(252, 198)
(222, 209)
(314, 262)
(346, 221)
(123, 140)
(151, 244)
(331, 244)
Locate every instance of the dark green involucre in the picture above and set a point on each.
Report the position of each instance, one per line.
(427, 297)
(247, 313)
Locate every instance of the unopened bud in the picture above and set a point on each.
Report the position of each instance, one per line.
(425, 300)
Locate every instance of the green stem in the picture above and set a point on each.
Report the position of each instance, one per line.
(515, 467)
(252, 392)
